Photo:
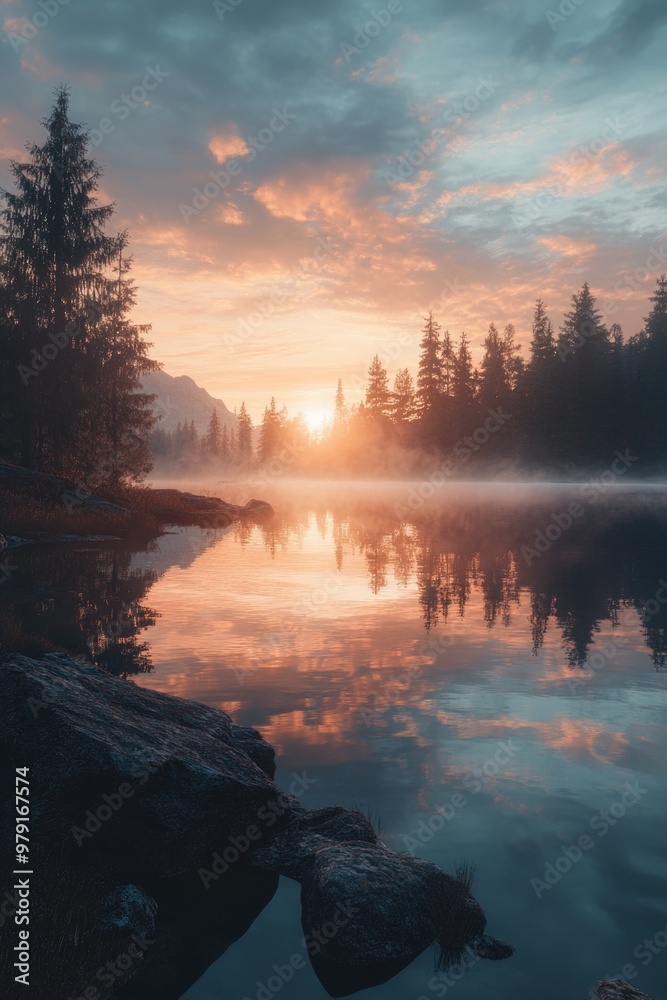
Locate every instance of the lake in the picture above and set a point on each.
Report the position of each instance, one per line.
(482, 669)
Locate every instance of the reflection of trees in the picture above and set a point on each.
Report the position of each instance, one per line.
(609, 560)
(88, 602)
(377, 550)
(91, 601)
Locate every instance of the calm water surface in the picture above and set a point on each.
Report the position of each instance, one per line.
(486, 702)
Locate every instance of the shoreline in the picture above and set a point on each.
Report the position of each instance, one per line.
(38, 508)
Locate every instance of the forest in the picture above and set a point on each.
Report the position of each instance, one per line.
(72, 361)
(581, 396)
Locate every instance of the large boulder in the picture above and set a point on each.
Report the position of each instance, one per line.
(153, 817)
(176, 776)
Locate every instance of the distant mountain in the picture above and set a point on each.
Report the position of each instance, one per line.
(180, 400)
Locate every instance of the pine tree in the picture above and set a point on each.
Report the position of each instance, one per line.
(539, 386)
(448, 356)
(647, 392)
(63, 319)
(543, 344)
(270, 434)
(584, 397)
(493, 388)
(514, 365)
(463, 394)
(244, 436)
(340, 410)
(110, 440)
(377, 392)
(403, 397)
(212, 444)
(430, 375)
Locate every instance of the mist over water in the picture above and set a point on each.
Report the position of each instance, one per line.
(490, 697)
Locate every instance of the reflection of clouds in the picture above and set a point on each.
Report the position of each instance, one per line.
(353, 675)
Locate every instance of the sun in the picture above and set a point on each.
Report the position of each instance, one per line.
(316, 421)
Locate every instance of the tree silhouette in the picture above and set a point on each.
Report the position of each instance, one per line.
(403, 397)
(377, 392)
(244, 436)
(430, 373)
(63, 318)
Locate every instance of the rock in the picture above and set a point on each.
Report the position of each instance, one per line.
(189, 508)
(191, 772)
(15, 542)
(55, 488)
(128, 908)
(258, 509)
(615, 989)
(153, 801)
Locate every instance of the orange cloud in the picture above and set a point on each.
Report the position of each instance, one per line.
(568, 247)
(231, 215)
(228, 144)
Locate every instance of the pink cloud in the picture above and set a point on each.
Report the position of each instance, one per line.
(224, 145)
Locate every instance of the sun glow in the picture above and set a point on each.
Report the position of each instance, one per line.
(316, 421)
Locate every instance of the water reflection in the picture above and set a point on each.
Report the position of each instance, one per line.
(389, 652)
(465, 558)
(90, 599)
(613, 557)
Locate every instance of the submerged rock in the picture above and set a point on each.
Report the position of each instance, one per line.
(156, 803)
(257, 509)
(615, 989)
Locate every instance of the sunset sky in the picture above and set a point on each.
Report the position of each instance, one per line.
(544, 165)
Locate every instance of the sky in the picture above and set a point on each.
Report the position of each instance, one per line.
(371, 161)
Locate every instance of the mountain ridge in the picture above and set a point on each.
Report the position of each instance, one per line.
(179, 399)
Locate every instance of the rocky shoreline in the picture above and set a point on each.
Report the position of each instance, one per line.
(159, 835)
(51, 508)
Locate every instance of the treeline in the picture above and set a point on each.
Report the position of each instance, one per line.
(238, 448)
(186, 450)
(582, 395)
(579, 397)
(71, 362)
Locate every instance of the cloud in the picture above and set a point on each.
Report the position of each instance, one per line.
(520, 198)
(225, 145)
